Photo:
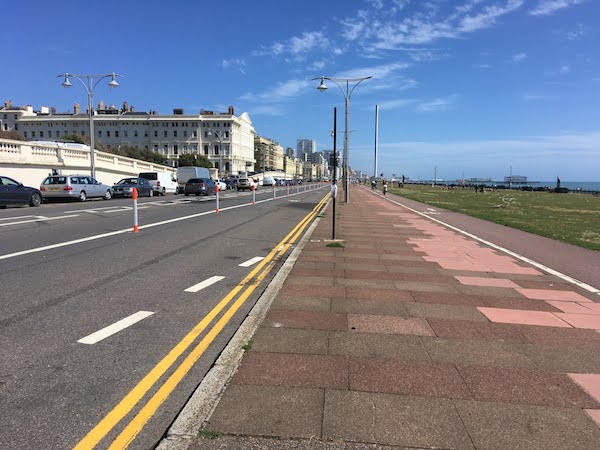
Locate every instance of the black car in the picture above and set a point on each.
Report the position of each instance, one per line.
(14, 193)
(124, 187)
(197, 186)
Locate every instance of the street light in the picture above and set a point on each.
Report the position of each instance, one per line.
(89, 85)
(220, 141)
(347, 93)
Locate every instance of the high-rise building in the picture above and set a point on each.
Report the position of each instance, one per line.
(305, 147)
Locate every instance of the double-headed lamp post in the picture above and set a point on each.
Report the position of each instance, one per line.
(90, 85)
(347, 93)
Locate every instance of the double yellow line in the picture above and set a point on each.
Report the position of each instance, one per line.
(124, 407)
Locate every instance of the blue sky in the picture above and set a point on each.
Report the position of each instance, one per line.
(471, 87)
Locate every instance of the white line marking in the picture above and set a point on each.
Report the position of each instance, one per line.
(547, 269)
(251, 262)
(37, 220)
(23, 217)
(129, 230)
(204, 284)
(115, 327)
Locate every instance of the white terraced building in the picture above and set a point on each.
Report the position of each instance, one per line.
(225, 139)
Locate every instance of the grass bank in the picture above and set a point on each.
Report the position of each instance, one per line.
(572, 218)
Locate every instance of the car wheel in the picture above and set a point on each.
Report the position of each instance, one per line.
(35, 200)
(151, 193)
(107, 195)
(164, 191)
(82, 196)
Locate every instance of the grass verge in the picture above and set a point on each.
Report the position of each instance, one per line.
(571, 218)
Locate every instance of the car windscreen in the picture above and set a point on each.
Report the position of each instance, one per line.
(128, 181)
(194, 180)
(149, 176)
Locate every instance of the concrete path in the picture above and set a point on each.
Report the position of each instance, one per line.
(412, 336)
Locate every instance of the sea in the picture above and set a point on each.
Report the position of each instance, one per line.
(585, 186)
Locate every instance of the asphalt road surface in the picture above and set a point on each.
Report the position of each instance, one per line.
(96, 321)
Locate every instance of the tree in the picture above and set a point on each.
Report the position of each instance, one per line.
(13, 135)
(194, 160)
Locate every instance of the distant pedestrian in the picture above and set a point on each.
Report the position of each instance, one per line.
(384, 187)
(373, 184)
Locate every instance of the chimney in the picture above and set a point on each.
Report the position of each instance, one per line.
(76, 109)
(125, 106)
(52, 110)
(8, 103)
(132, 108)
(230, 110)
(100, 105)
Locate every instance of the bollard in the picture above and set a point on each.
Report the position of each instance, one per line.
(287, 189)
(134, 195)
(253, 194)
(217, 194)
(274, 195)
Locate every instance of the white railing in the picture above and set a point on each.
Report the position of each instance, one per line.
(30, 162)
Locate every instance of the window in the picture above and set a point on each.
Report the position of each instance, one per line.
(165, 133)
(24, 133)
(145, 133)
(41, 134)
(99, 133)
(184, 133)
(155, 133)
(216, 150)
(125, 133)
(175, 150)
(156, 148)
(117, 133)
(135, 133)
(175, 133)
(108, 133)
(166, 148)
(205, 149)
(195, 133)
(57, 133)
(205, 133)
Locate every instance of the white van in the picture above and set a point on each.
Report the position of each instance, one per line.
(268, 181)
(185, 173)
(162, 182)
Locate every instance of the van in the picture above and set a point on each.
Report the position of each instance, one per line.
(185, 173)
(268, 181)
(162, 182)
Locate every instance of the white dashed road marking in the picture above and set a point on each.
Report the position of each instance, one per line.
(251, 262)
(204, 284)
(115, 327)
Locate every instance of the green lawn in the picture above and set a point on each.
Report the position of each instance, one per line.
(572, 218)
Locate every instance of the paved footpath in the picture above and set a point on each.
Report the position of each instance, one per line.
(413, 336)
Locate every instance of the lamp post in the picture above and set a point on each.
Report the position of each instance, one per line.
(347, 93)
(90, 85)
(219, 139)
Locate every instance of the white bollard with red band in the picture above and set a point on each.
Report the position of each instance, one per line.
(274, 195)
(134, 195)
(217, 193)
(253, 194)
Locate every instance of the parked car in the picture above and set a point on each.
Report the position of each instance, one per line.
(245, 183)
(124, 187)
(14, 193)
(80, 187)
(162, 182)
(222, 185)
(231, 183)
(197, 186)
(186, 173)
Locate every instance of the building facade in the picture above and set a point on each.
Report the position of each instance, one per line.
(225, 139)
(305, 147)
(268, 154)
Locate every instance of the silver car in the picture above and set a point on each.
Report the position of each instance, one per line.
(79, 187)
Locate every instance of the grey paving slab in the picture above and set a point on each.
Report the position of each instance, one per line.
(456, 312)
(362, 306)
(301, 303)
(369, 323)
(269, 411)
(501, 426)
(378, 345)
(291, 340)
(393, 420)
(306, 319)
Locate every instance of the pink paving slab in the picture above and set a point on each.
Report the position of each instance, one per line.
(594, 414)
(521, 317)
(590, 321)
(561, 296)
(590, 382)
(593, 306)
(482, 281)
(573, 308)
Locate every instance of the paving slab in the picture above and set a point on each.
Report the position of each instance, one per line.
(502, 426)
(375, 307)
(455, 312)
(378, 345)
(367, 323)
(403, 420)
(291, 340)
(301, 303)
(306, 319)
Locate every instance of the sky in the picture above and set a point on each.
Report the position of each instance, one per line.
(465, 88)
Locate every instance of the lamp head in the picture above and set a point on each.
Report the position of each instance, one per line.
(66, 83)
(113, 83)
(322, 86)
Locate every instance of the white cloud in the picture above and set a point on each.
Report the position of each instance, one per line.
(579, 31)
(564, 69)
(519, 57)
(296, 45)
(482, 66)
(396, 104)
(282, 91)
(547, 7)
(236, 63)
(438, 104)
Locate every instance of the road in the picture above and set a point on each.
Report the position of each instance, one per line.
(105, 333)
